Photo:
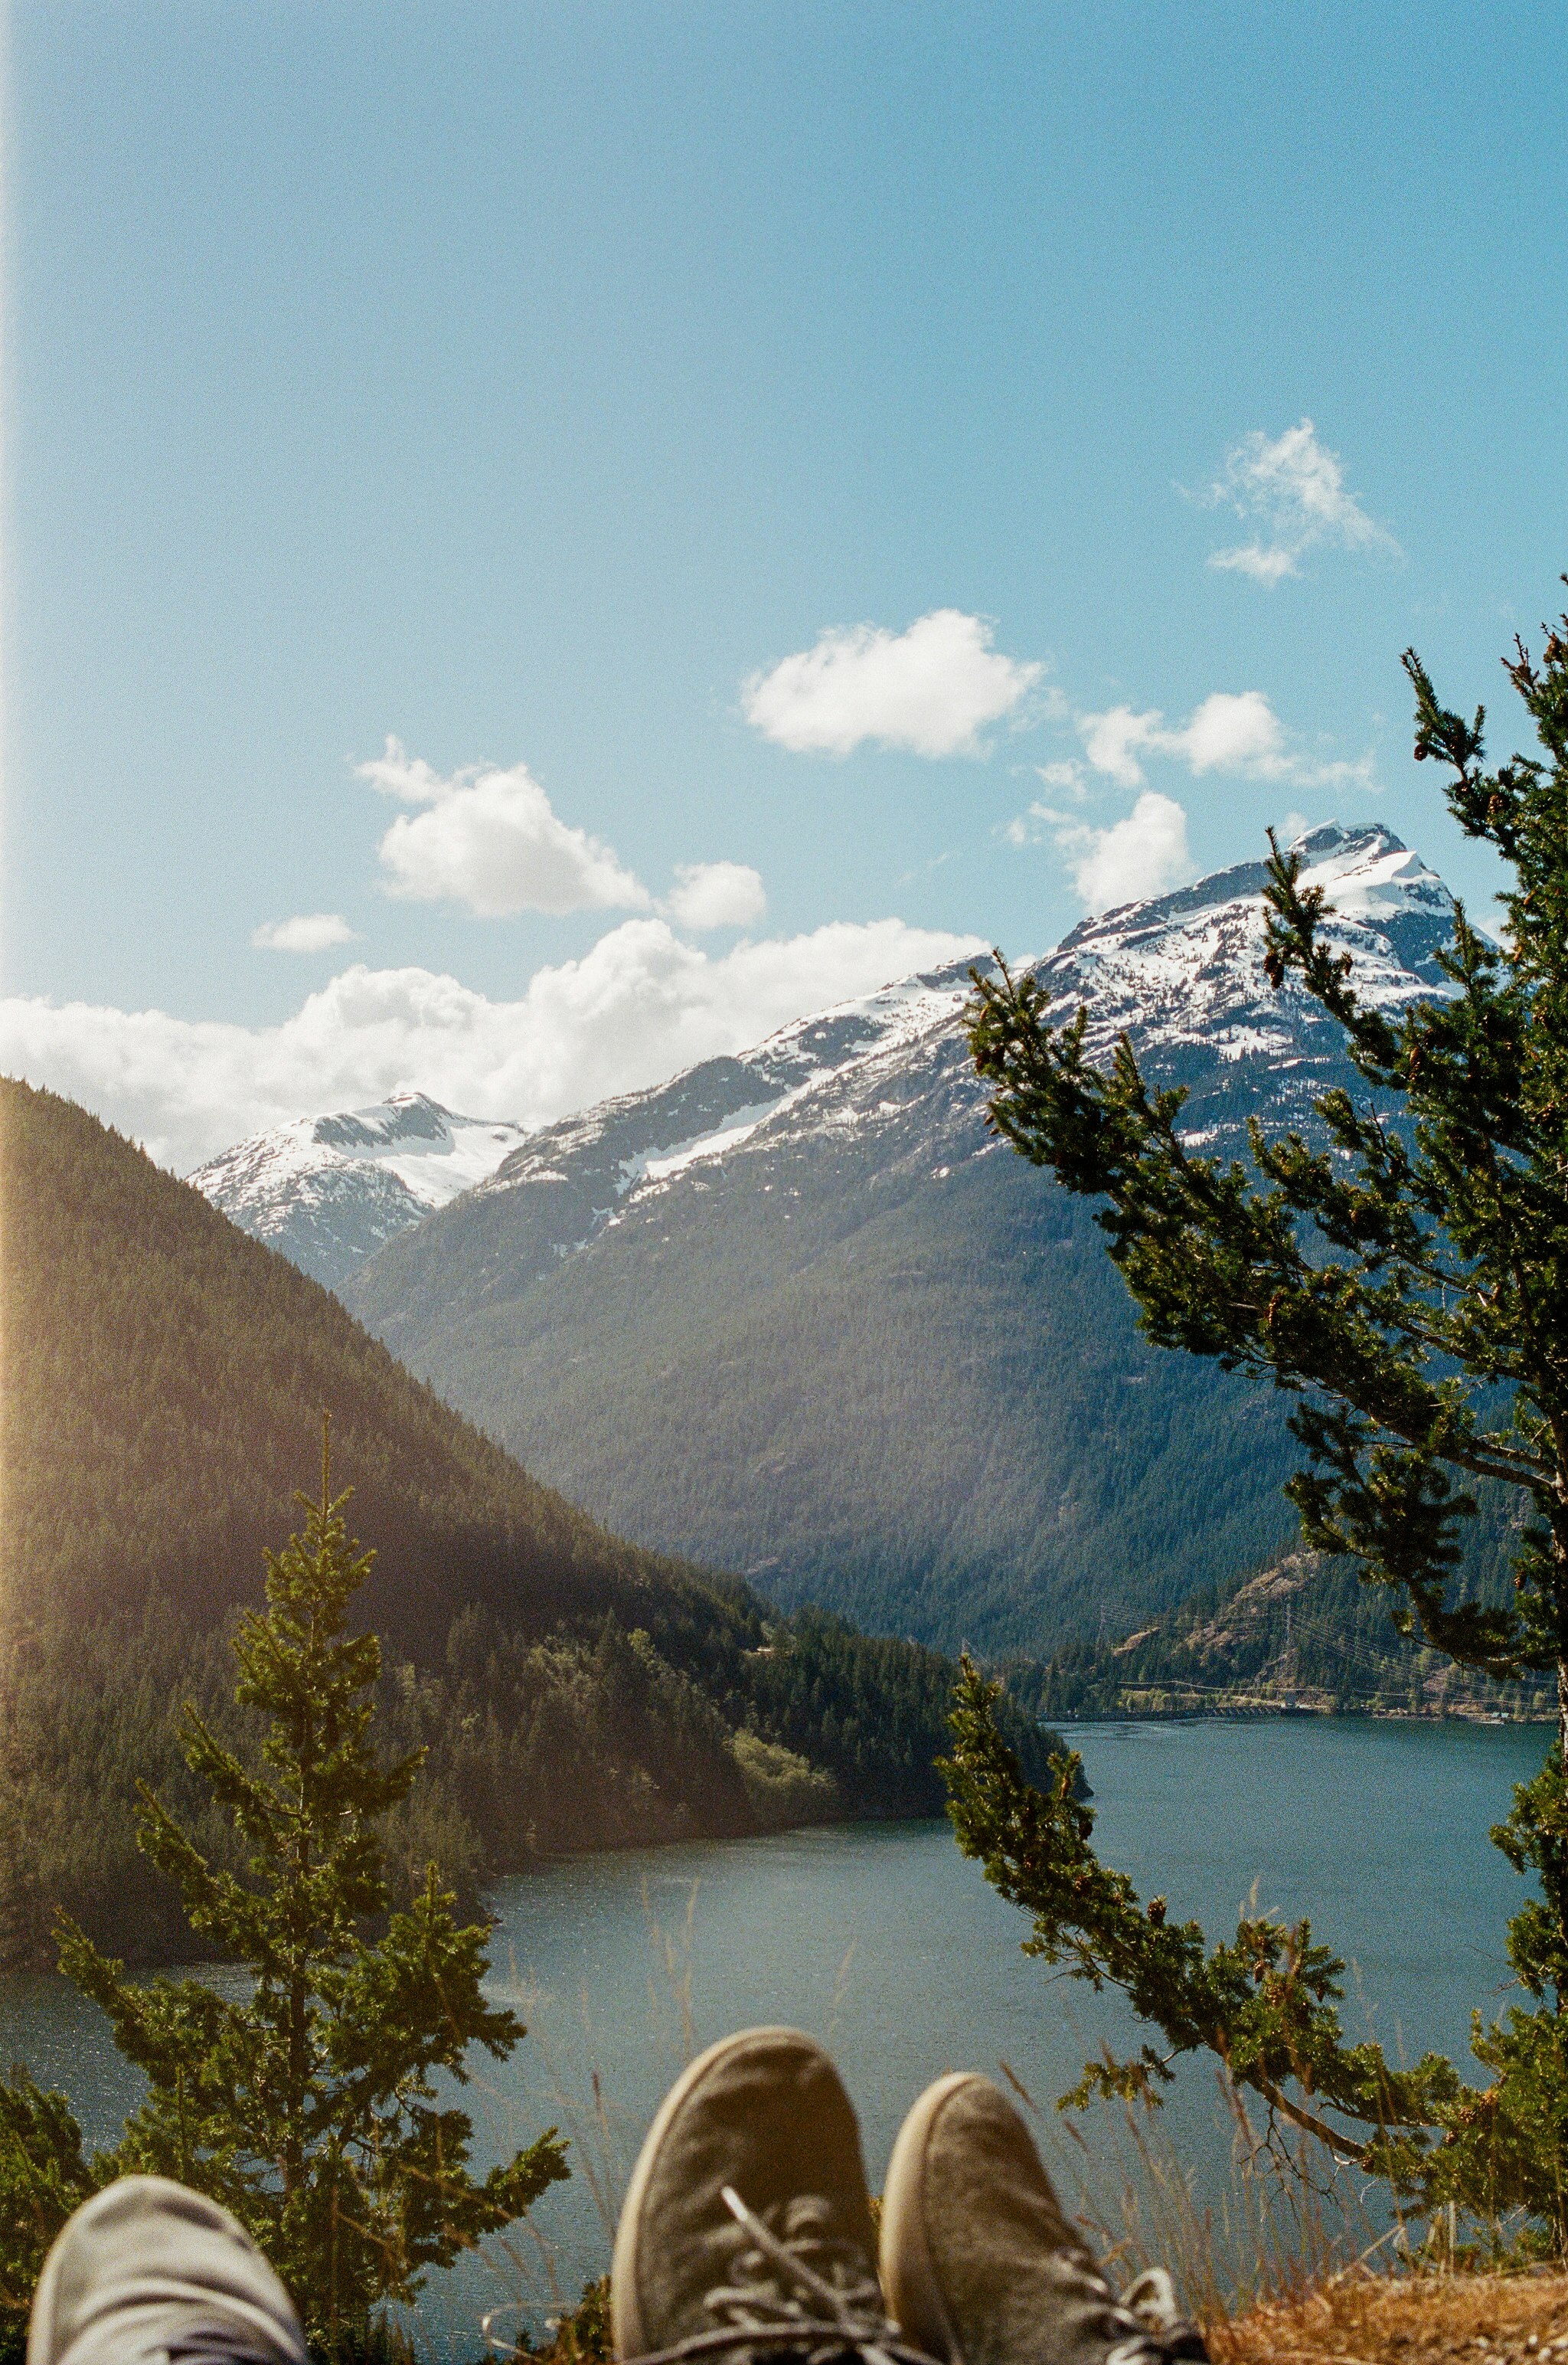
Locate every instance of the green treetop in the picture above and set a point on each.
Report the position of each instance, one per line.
(1406, 1279)
(307, 2106)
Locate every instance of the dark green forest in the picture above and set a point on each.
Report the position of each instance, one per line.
(165, 1377)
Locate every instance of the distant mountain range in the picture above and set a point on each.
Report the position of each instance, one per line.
(799, 1314)
(328, 1191)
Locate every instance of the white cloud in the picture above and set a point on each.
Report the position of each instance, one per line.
(1295, 487)
(1267, 563)
(1234, 732)
(716, 895)
(488, 838)
(1067, 774)
(640, 1006)
(1230, 731)
(1145, 853)
(307, 932)
(933, 688)
(1113, 741)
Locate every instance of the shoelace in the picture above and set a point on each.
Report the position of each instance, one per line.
(778, 2300)
(1158, 2333)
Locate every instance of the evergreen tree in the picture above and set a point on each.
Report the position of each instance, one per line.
(1406, 1283)
(307, 2105)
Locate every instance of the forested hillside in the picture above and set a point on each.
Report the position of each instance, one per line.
(924, 1400)
(164, 1381)
(1304, 1632)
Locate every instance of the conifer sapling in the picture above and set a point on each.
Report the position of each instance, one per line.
(308, 2104)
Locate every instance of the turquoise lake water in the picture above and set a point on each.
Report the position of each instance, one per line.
(883, 1941)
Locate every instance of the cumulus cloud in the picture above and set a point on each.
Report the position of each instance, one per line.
(1294, 487)
(716, 895)
(1145, 853)
(1229, 732)
(307, 932)
(489, 838)
(933, 690)
(1234, 732)
(637, 1007)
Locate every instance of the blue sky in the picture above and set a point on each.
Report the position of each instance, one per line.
(524, 382)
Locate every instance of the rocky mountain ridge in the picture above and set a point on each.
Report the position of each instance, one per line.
(1183, 974)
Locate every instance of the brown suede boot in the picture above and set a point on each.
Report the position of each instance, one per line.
(746, 2231)
(979, 2265)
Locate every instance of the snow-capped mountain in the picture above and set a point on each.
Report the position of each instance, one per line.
(1184, 972)
(329, 1190)
(571, 1180)
(799, 1313)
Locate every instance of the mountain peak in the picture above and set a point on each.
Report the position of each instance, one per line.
(328, 1190)
(405, 1116)
(1369, 873)
(1186, 971)
(1333, 837)
(1362, 870)
(1183, 974)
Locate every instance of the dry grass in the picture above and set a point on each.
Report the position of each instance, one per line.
(1365, 2319)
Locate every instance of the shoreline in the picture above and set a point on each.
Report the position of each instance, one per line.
(1244, 1711)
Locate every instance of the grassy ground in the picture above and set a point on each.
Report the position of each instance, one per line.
(1363, 2319)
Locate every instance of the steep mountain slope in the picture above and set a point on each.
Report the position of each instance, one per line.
(162, 1380)
(327, 1191)
(799, 1313)
(572, 1180)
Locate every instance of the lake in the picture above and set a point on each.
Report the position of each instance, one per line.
(886, 1943)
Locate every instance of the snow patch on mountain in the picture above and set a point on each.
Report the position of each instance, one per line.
(1188, 968)
(328, 1191)
(682, 1154)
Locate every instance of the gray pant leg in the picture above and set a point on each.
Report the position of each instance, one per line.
(147, 2270)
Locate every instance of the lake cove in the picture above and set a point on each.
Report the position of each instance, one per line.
(883, 1941)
